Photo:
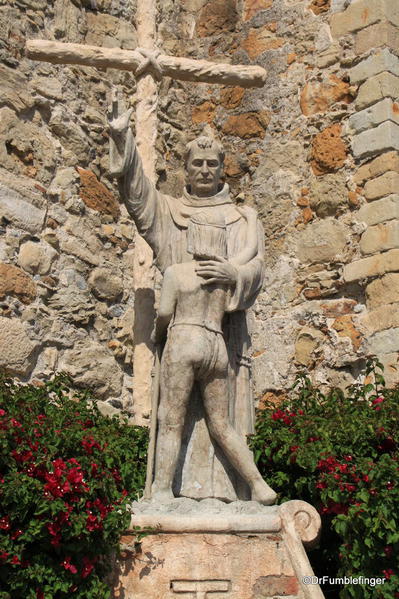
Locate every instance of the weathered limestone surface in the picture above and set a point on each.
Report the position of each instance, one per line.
(380, 238)
(384, 185)
(374, 141)
(362, 13)
(388, 161)
(373, 266)
(384, 85)
(16, 347)
(380, 211)
(377, 63)
(380, 35)
(386, 110)
(383, 291)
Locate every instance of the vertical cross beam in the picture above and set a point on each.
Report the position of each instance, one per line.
(146, 135)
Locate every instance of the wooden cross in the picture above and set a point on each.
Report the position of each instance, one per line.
(184, 69)
(146, 132)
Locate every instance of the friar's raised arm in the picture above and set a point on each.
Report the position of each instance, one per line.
(147, 206)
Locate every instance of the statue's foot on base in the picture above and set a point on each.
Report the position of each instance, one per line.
(161, 495)
(262, 493)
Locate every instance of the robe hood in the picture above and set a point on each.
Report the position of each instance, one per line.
(181, 209)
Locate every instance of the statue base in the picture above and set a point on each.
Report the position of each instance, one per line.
(255, 554)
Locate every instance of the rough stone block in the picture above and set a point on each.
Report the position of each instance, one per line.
(374, 141)
(380, 238)
(386, 110)
(380, 35)
(90, 364)
(383, 291)
(36, 258)
(339, 5)
(380, 211)
(16, 348)
(381, 319)
(16, 283)
(321, 241)
(363, 13)
(384, 342)
(384, 85)
(377, 63)
(373, 266)
(380, 165)
(329, 151)
(386, 184)
(390, 363)
(20, 213)
(14, 89)
(318, 96)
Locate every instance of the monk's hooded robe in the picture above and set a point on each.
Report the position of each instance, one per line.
(162, 221)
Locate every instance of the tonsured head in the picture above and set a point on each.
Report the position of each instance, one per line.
(204, 164)
(206, 235)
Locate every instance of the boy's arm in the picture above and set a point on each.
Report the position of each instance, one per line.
(167, 304)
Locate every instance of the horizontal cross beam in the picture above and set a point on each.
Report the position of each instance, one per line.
(184, 69)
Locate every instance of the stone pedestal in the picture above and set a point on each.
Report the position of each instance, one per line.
(242, 551)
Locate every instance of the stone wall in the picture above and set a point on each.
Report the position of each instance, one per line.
(66, 246)
(315, 151)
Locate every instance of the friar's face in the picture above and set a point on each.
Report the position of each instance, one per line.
(204, 169)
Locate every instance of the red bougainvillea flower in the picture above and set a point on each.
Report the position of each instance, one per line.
(92, 523)
(89, 443)
(377, 403)
(4, 555)
(328, 464)
(377, 400)
(321, 484)
(5, 523)
(350, 488)
(17, 533)
(54, 485)
(75, 476)
(2, 412)
(39, 594)
(88, 565)
(68, 566)
(335, 508)
(388, 573)
(388, 550)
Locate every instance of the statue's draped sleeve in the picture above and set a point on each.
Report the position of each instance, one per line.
(147, 206)
(250, 275)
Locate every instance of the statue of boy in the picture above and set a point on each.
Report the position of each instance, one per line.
(163, 222)
(195, 351)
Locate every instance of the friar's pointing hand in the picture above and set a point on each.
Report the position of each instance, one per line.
(118, 121)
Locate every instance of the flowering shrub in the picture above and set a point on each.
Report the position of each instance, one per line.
(340, 453)
(66, 473)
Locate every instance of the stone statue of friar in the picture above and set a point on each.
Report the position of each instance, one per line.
(203, 469)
